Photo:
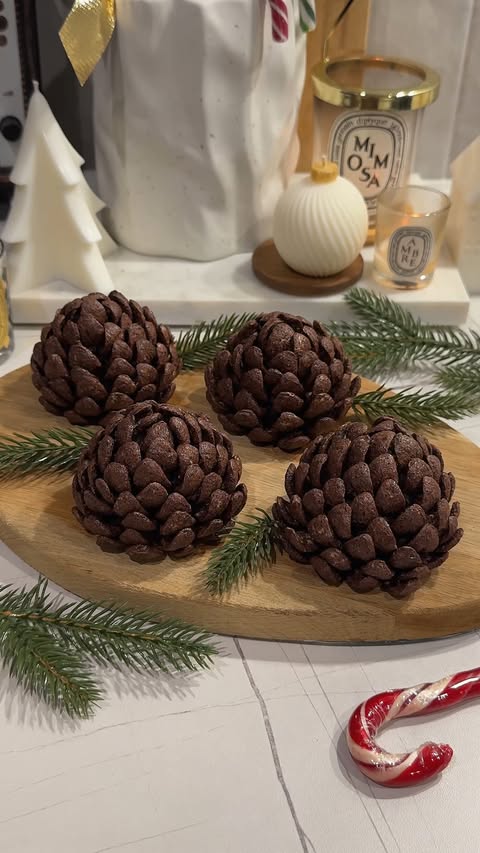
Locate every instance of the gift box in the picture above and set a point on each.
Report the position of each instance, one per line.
(195, 110)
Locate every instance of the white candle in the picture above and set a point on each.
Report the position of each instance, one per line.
(320, 223)
(52, 232)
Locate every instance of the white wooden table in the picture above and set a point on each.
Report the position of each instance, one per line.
(247, 758)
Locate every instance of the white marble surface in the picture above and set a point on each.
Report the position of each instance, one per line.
(247, 758)
(181, 291)
(187, 291)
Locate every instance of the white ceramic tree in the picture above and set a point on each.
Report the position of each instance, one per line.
(52, 232)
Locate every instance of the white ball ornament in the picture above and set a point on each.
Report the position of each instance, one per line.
(320, 222)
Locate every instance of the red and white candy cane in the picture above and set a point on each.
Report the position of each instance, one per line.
(409, 768)
(279, 10)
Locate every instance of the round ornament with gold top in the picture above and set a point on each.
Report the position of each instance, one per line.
(320, 225)
(320, 222)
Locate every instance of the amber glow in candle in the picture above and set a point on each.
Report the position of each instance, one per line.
(411, 223)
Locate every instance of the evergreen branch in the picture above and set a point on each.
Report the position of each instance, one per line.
(249, 548)
(50, 673)
(52, 450)
(199, 344)
(387, 338)
(465, 379)
(41, 666)
(415, 408)
(373, 354)
(371, 307)
(115, 636)
(50, 647)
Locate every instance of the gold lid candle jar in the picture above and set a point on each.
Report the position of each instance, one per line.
(367, 111)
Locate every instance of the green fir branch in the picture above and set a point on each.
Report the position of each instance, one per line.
(370, 307)
(52, 450)
(245, 552)
(35, 659)
(415, 408)
(116, 636)
(53, 674)
(464, 378)
(385, 338)
(198, 345)
(50, 648)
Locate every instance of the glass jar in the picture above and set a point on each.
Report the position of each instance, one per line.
(367, 117)
(6, 332)
(411, 225)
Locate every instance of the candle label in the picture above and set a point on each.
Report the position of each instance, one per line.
(409, 250)
(370, 151)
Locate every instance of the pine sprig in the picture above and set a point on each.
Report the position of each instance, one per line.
(415, 408)
(253, 545)
(386, 338)
(198, 345)
(50, 648)
(52, 450)
(53, 674)
(464, 378)
(370, 307)
(117, 636)
(250, 547)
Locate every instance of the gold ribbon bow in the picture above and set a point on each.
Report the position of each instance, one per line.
(86, 33)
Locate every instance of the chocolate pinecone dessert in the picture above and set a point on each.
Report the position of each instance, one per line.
(101, 354)
(370, 507)
(281, 380)
(156, 481)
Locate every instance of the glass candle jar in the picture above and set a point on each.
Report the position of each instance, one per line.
(367, 111)
(411, 223)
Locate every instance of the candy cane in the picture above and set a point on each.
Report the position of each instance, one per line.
(409, 768)
(308, 17)
(279, 20)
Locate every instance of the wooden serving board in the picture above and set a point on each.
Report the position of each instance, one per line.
(287, 602)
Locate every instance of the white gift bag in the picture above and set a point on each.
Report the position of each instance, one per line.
(195, 124)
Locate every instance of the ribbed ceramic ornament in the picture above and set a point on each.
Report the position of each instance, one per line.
(320, 222)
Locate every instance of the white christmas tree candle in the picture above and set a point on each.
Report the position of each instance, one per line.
(52, 232)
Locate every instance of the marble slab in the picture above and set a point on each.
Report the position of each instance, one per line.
(184, 292)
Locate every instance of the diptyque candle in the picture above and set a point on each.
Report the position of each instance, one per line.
(367, 118)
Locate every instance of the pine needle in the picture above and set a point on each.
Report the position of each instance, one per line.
(55, 675)
(198, 345)
(52, 450)
(50, 647)
(385, 338)
(464, 378)
(415, 408)
(249, 548)
(115, 636)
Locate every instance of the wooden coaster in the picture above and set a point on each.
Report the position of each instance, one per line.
(269, 267)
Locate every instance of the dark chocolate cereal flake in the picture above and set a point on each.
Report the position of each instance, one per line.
(101, 354)
(282, 380)
(375, 505)
(188, 494)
